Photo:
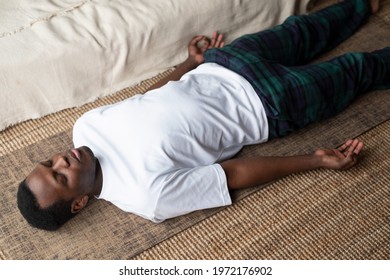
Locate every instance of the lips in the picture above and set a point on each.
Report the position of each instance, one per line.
(76, 154)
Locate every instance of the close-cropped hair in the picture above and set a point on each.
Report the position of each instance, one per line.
(50, 218)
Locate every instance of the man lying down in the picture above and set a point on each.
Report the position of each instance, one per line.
(170, 151)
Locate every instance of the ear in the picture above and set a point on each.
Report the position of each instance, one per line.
(79, 203)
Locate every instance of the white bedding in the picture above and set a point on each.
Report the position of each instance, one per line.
(60, 54)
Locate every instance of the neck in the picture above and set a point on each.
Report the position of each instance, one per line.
(97, 189)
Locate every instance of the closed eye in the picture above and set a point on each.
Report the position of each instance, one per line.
(60, 178)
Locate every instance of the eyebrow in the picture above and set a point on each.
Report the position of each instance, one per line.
(43, 163)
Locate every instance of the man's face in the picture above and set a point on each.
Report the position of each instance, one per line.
(65, 176)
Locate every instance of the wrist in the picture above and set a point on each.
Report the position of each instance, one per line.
(319, 159)
(191, 63)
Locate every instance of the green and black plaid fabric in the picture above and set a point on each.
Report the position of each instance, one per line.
(295, 94)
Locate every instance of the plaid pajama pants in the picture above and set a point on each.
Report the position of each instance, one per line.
(293, 92)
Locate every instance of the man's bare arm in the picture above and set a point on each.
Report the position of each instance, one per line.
(248, 172)
(196, 49)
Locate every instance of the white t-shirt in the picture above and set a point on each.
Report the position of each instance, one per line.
(159, 152)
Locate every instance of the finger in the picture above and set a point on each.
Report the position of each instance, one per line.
(359, 147)
(204, 44)
(214, 38)
(219, 41)
(354, 148)
(195, 40)
(344, 147)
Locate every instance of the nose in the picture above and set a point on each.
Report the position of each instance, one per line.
(60, 161)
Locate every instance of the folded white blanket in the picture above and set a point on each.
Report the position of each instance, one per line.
(60, 54)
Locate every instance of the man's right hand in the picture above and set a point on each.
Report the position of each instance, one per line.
(200, 44)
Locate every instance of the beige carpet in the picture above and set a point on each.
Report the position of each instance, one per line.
(319, 214)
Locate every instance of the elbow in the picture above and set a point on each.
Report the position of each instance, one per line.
(232, 175)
